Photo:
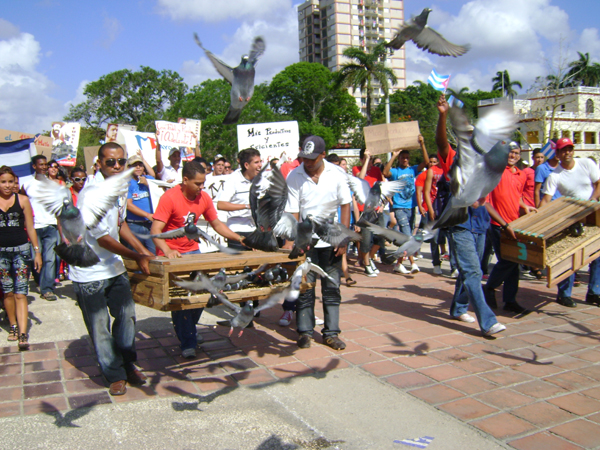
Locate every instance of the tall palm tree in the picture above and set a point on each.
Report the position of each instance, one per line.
(456, 94)
(502, 83)
(364, 70)
(584, 73)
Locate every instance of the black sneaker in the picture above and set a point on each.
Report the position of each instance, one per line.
(490, 297)
(514, 307)
(566, 301)
(334, 342)
(304, 341)
(594, 299)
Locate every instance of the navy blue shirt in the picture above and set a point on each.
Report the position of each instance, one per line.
(478, 221)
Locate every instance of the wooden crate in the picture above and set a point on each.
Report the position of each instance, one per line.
(158, 291)
(537, 231)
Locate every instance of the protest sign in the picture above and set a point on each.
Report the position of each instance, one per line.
(113, 135)
(390, 137)
(89, 153)
(43, 144)
(270, 139)
(65, 139)
(193, 125)
(146, 143)
(177, 135)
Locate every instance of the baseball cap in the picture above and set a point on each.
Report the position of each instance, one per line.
(312, 147)
(564, 142)
(134, 159)
(174, 150)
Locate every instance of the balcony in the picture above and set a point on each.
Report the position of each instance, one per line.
(565, 115)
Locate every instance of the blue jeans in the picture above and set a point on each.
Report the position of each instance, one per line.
(305, 309)
(48, 238)
(141, 228)
(404, 217)
(115, 352)
(14, 269)
(504, 271)
(433, 243)
(566, 286)
(185, 322)
(468, 284)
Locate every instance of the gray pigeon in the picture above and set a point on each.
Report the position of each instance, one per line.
(192, 232)
(218, 282)
(372, 197)
(307, 266)
(425, 38)
(390, 235)
(241, 78)
(413, 244)
(477, 168)
(94, 201)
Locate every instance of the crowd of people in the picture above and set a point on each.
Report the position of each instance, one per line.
(213, 191)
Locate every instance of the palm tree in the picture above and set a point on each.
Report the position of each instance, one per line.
(584, 73)
(457, 94)
(503, 84)
(366, 69)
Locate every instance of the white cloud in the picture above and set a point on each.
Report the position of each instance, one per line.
(281, 38)
(208, 11)
(112, 28)
(26, 104)
(589, 42)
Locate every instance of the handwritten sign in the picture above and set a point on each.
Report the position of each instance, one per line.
(270, 139)
(65, 139)
(390, 137)
(43, 144)
(176, 135)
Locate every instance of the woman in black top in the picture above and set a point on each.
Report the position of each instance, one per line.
(16, 227)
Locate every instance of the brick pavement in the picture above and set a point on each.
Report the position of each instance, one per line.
(537, 385)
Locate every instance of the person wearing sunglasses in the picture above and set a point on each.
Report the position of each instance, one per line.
(78, 177)
(105, 285)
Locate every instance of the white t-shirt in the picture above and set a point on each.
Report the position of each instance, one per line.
(169, 173)
(304, 194)
(237, 191)
(577, 182)
(41, 217)
(110, 264)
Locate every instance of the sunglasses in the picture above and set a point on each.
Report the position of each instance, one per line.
(112, 162)
(53, 167)
(78, 179)
(228, 167)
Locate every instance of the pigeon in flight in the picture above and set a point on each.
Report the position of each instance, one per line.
(407, 245)
(241, 78)
(479, 162)
(425, 38)
(372, 197)
(192, 232)
(94, 201)
(307, 266)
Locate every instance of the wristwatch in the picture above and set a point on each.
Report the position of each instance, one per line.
(36, 249)
(505, 226)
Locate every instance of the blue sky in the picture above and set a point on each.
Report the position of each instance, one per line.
(49, 49)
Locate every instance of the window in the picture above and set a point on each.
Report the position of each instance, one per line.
(562, 107)
(589, 106)
(590, 137)
(577, 137)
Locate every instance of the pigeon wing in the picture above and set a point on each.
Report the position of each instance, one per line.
(467, 157)
(391, 187)
(275, 298)
(225, 71)
(390, 235)
(257, 50)
(201, 234)
(287, 227)
(359, 187)
(172, 234)
(97, 199)
(51, 195)
(434, 42)
(406, 32)
(223, 299)
(316, 269)
(498, 124)
(336, 234)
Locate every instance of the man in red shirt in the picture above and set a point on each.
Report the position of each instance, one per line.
(171, 213)
(507, 200)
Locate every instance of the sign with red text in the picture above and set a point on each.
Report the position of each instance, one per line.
(65, 139)
(177, 135)
(272, 139)
(43, 144)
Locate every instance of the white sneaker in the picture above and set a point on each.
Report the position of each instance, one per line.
(437, 270)
(319, 321)
(466, 318)
(414, 268)
(286, 318)
(454, 274)
(496, 328)
(399, 268)
(373, 266)
(370, 272)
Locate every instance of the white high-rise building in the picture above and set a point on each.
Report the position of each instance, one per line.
(327, 27)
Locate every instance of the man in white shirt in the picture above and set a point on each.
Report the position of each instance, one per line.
(171, 173)
(215, 185)
(47, 232)
(105, 286)
(314, 182)
(579, 178)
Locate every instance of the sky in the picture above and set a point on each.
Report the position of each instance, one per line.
(50, 49)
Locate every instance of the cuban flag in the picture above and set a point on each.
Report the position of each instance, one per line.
(17, 155)
(455, 102)
(549, 150)
(439, 82)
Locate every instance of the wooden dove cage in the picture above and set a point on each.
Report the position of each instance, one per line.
(546, 240)
(159, 291)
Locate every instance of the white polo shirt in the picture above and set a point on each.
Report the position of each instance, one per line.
(305, 195)
(169, 173)
(237, 191)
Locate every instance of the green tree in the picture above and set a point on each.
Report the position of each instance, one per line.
(137, 98)
(366, 70)
(583, 72)
(307, 92)
(503, 83)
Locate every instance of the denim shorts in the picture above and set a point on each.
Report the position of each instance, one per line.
(404, 217)
(14, 269)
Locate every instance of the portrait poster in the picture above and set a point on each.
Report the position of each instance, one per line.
(65, 139)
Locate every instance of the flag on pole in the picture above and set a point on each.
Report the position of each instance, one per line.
(17, 155)
(549, 150)
(455, 102)
(439, 82)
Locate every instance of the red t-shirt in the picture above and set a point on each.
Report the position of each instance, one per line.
(287, 167)
(529, 190)
(445, 165)
(506, 196)
(420, 181)
(173, 209)
(373, 175)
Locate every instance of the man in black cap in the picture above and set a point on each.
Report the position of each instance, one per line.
(315, 182)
